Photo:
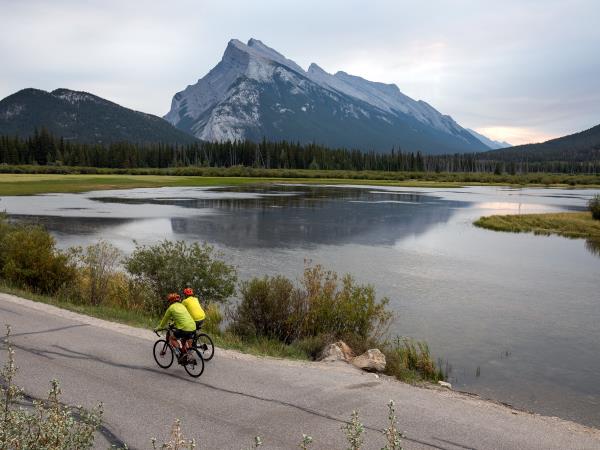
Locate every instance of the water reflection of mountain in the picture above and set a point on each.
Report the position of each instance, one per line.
(359, 216)
(286, 216)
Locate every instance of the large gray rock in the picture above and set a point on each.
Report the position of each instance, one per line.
(372, 361)
(332, 353)
(338, 351)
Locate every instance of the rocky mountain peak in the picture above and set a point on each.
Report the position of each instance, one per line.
(256, 92)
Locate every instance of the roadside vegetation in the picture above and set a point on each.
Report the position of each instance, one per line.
(41, 424)
(273, 316)
(31, 180)
(575, 225)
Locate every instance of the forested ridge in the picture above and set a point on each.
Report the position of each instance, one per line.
(43, 148)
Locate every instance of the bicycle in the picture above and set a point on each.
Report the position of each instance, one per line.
(164, 354)
(206, 347)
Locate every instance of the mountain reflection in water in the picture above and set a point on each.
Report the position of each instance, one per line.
(281, 217)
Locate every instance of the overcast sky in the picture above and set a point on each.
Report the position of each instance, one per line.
(517, 70)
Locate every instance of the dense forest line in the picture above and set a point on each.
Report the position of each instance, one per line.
(43, 148)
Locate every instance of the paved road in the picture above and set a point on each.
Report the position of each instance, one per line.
(240, 396)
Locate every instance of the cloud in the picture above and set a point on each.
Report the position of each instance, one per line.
(504, 66)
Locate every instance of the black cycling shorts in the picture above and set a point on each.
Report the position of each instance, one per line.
(181, 334)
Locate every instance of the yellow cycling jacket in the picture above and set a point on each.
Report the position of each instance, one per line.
(179, 315)
(193, 306)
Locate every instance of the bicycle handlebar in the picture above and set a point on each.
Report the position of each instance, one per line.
(162, 329)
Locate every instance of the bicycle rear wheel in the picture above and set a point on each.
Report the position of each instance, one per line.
(163, 354)
(196, 367)
(205, 346)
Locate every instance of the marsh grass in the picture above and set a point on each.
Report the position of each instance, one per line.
(410, 360)
(574, 225)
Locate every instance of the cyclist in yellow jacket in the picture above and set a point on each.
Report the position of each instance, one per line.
(185, 328)
(193, 306)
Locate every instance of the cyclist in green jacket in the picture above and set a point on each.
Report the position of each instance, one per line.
(185, 327)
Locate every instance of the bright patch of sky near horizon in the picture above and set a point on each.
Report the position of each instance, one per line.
(517, 70)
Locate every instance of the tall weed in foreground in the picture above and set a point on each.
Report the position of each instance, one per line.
(354, 431)
(393, 437)
(48, 425)
(176, 441)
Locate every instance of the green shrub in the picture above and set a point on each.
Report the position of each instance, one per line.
(268, 308)
(594, 206)
(319, 306)
(343, 310)
(170, 266)
(214, 318)
(98, 276)
(29, 259)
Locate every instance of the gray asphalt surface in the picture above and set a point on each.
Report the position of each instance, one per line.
(241, 396)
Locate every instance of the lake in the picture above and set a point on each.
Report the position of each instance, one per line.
(517, 316)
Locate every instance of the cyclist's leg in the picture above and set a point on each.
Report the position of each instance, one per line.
(187, 340)
(178, 336)
(173, 340)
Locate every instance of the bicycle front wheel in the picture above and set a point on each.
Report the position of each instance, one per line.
(163, 354)
(195, 367)
(205, 346)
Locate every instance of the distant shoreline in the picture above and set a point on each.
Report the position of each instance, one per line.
(32, 179)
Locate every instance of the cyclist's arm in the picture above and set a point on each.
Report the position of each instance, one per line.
(165, 320)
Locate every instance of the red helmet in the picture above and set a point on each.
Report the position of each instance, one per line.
(188, 291)
(173, 297)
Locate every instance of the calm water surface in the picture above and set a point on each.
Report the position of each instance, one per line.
(516, 315)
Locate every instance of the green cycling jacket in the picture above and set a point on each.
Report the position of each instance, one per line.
(179, 315)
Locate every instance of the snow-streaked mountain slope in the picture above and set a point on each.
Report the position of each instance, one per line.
(494, 145)
(256, 92)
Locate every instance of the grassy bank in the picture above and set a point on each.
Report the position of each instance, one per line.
(29, 180)
(576, 225)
